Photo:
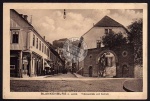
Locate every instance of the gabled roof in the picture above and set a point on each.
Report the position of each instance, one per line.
(51, 47)
(108, 22)
(32, 27)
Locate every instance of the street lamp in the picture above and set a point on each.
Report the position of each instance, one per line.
(64, 13)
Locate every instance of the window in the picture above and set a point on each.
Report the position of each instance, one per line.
(106, 31)
(15, 36)
(47, 52)
(98, 43)
(37, 43)
(40, 46)
(33, 40)
(45, 49)
(110, 30)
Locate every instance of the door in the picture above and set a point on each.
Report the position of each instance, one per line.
(13, 66)
(90, 71)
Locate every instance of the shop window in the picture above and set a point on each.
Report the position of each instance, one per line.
(15, 36)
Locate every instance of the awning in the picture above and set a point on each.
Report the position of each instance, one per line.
(46, 64)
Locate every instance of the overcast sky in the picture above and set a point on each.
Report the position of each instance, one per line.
(50, 23)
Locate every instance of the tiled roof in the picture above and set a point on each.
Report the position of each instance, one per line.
(108, 22)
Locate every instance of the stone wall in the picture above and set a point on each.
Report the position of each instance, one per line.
(123, 54)
(138, 71)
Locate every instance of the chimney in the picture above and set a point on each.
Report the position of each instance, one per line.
(21, 15)
(25, 17)
(44, 37)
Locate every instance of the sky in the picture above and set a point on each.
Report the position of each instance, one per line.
(51, 23)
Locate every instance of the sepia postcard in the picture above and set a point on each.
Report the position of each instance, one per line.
(75, 51)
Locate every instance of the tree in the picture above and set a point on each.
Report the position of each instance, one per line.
(113, 39)
(135, 37)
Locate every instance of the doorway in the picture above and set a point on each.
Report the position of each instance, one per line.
(90, 71)
(107, 64)
(125, 70)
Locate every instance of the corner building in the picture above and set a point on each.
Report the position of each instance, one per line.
(29, 52)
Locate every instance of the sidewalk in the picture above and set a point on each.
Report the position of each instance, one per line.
(78, 75)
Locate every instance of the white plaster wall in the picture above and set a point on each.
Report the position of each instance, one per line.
(95, 33)
(33, 48)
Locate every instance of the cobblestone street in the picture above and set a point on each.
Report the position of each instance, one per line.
(68, 75)
(60, 83)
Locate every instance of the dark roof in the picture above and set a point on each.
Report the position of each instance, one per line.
(106, 21)
(54, 52)
(59, 43)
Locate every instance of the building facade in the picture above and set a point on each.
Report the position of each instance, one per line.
(104, 26)
(29, 52)
(118, 61)
(56, 62)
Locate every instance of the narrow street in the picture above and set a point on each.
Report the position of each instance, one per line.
(66, 83)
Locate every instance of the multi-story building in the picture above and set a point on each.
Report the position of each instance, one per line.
(58, 44)
(119, 61)
(104, 26)
(56, 62)
(29, 51)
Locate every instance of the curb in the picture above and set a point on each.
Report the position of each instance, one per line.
(77, 75)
